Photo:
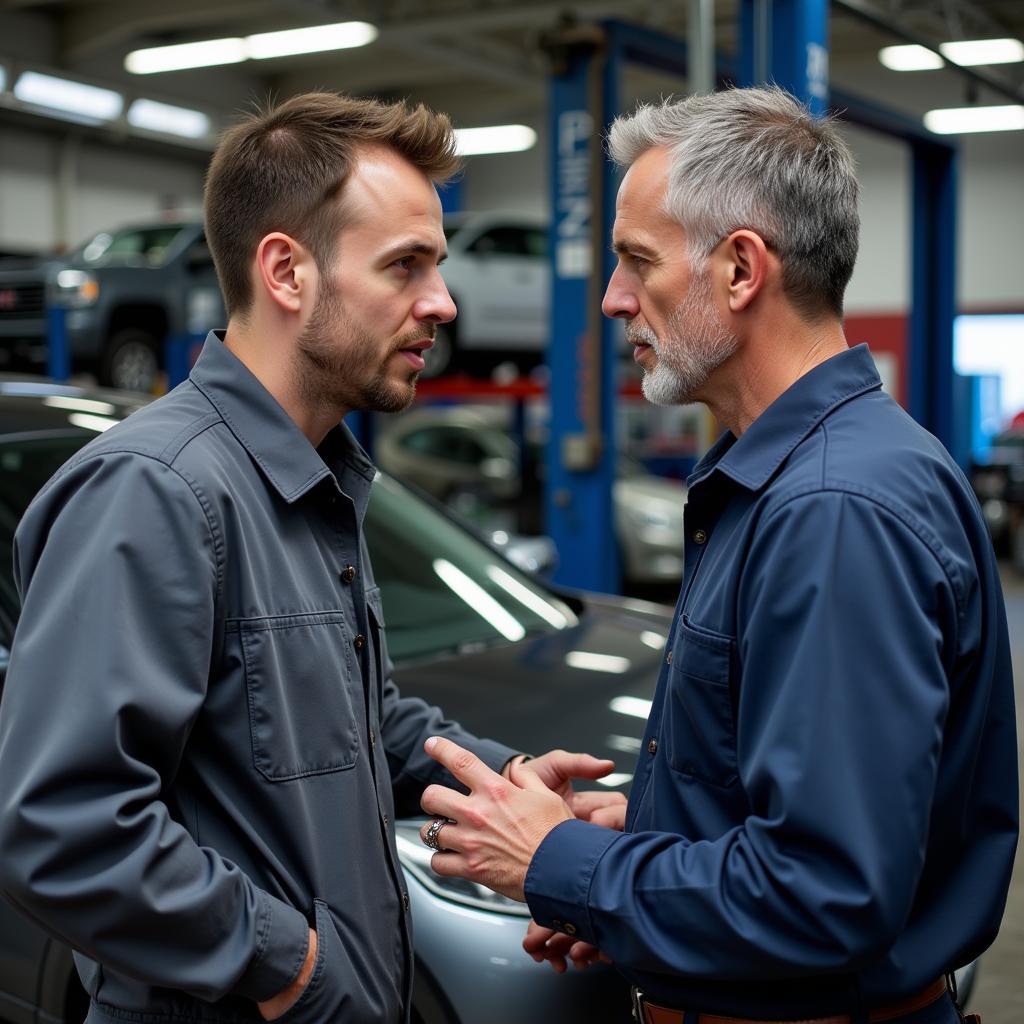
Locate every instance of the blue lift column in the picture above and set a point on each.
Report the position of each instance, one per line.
(581, 448)
(786, 42)
(933, 302)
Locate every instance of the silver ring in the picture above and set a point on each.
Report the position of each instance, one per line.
(430, 839)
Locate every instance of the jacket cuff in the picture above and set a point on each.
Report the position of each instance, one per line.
(558, 880)
(283, 940)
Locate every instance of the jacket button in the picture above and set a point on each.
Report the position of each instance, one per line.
(348, 574)
(652, 747)
(359, 641)
(386, 820)
(570, 928)
(405, 902)
(700, 537)
(373, 738)
(668, 658)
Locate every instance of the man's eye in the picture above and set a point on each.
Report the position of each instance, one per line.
(405, 263)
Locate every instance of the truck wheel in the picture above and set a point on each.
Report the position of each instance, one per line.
(439, 358)
(131, 360)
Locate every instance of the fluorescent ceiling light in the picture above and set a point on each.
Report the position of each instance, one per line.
(185, 55)
(909, 58)
(61, 94)
(968, 52)
(342, 36)
(212, 52)
(163, 117)
(960, 120)
(499, 138)
(965, 52)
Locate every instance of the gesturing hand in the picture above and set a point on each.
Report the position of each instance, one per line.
(557, 768)
(557, 948)
(496, 828)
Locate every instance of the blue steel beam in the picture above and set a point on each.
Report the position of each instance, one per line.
(581, 448)
(786, 42)
(933, 302)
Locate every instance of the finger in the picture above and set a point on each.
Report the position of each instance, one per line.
(440, 801)
(582, 766)
(536, 938)
(464, 765)
(610, 817)
(583, 954)
(585, 803)
(446, 836)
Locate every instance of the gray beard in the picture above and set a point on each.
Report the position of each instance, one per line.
(696, 344)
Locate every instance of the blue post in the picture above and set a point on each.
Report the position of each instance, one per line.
(58, 350)
(581, 449)
(786, 42)
(933, 302)
(452, 194)
(178, 357)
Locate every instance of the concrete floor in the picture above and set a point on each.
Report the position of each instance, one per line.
(999, 994)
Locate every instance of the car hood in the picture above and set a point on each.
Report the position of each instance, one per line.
(583, 688)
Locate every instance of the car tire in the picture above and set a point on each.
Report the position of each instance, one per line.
(131, 361)
(440, 358)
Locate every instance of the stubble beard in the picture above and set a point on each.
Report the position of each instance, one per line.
(696, 344)
(332, 368)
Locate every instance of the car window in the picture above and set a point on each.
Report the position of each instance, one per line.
(503, 241)
(443, 590)
(132, 245)
(431, 441)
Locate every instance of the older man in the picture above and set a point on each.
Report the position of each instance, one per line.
(823, 820)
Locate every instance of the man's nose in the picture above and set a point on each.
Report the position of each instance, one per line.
(438, 307)
(619, 300)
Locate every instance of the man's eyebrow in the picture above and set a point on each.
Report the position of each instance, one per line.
(413, 247)
(628, 247)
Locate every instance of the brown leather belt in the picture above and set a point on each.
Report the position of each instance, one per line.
(654, 1014)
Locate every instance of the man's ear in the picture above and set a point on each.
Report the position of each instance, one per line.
(285, 271)
(744, 261)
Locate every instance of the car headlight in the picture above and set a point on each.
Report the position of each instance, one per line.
(415, 858)
(76, 288)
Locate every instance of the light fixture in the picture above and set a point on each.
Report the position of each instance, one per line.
(961, 120)
(964, 52)
(163, 117)
(970, 52)
(344, 35)
(909, 58)
(66, 97)
(262, 46)
(499, 138)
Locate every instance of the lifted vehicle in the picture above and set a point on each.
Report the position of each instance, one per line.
(123, 292)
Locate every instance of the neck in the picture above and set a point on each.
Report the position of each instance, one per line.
(271, 360)
(768, 362)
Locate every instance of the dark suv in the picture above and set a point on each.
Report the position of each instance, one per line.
(123, 293)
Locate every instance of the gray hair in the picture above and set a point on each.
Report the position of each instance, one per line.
(756, 159)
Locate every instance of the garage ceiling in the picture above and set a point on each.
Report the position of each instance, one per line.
(483, 60)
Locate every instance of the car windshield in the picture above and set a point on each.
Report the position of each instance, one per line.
(132, 246)
(443, 590)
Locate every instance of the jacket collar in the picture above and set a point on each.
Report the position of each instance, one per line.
(751, 460)
(270, 436)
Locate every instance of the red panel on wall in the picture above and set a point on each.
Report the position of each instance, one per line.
(886, 335)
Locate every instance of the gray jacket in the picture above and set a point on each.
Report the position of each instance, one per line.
(201, 749)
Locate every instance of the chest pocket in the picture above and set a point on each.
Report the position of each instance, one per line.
(298, 679)
(699, 725)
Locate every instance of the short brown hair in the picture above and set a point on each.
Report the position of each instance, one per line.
(279, 169)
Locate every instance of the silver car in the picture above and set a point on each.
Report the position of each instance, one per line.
(466, 459)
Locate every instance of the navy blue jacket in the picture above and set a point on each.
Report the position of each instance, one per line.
(824, 816)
